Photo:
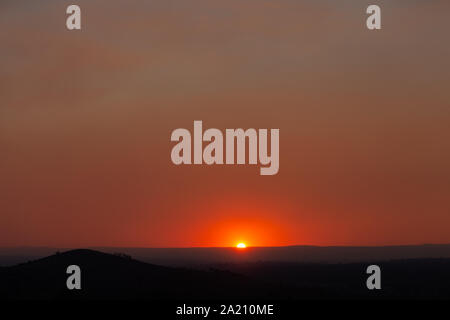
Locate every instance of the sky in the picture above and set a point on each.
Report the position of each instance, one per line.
(86, 118)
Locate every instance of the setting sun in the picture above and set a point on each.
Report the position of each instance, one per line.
(241, 245)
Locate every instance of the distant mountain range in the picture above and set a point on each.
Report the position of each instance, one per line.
(298, 254)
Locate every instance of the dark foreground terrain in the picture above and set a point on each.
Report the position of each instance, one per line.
(107, 276)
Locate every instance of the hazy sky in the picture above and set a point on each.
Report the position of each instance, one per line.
(86, 118)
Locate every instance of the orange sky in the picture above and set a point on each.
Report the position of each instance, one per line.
(86, 118)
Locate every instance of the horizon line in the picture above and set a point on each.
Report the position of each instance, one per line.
(227, 247)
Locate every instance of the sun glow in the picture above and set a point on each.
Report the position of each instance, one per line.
(241, 245)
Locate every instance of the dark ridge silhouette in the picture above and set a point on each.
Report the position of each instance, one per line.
(401, 279)
(107, 276)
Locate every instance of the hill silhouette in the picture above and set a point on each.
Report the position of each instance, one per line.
(107, 276)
